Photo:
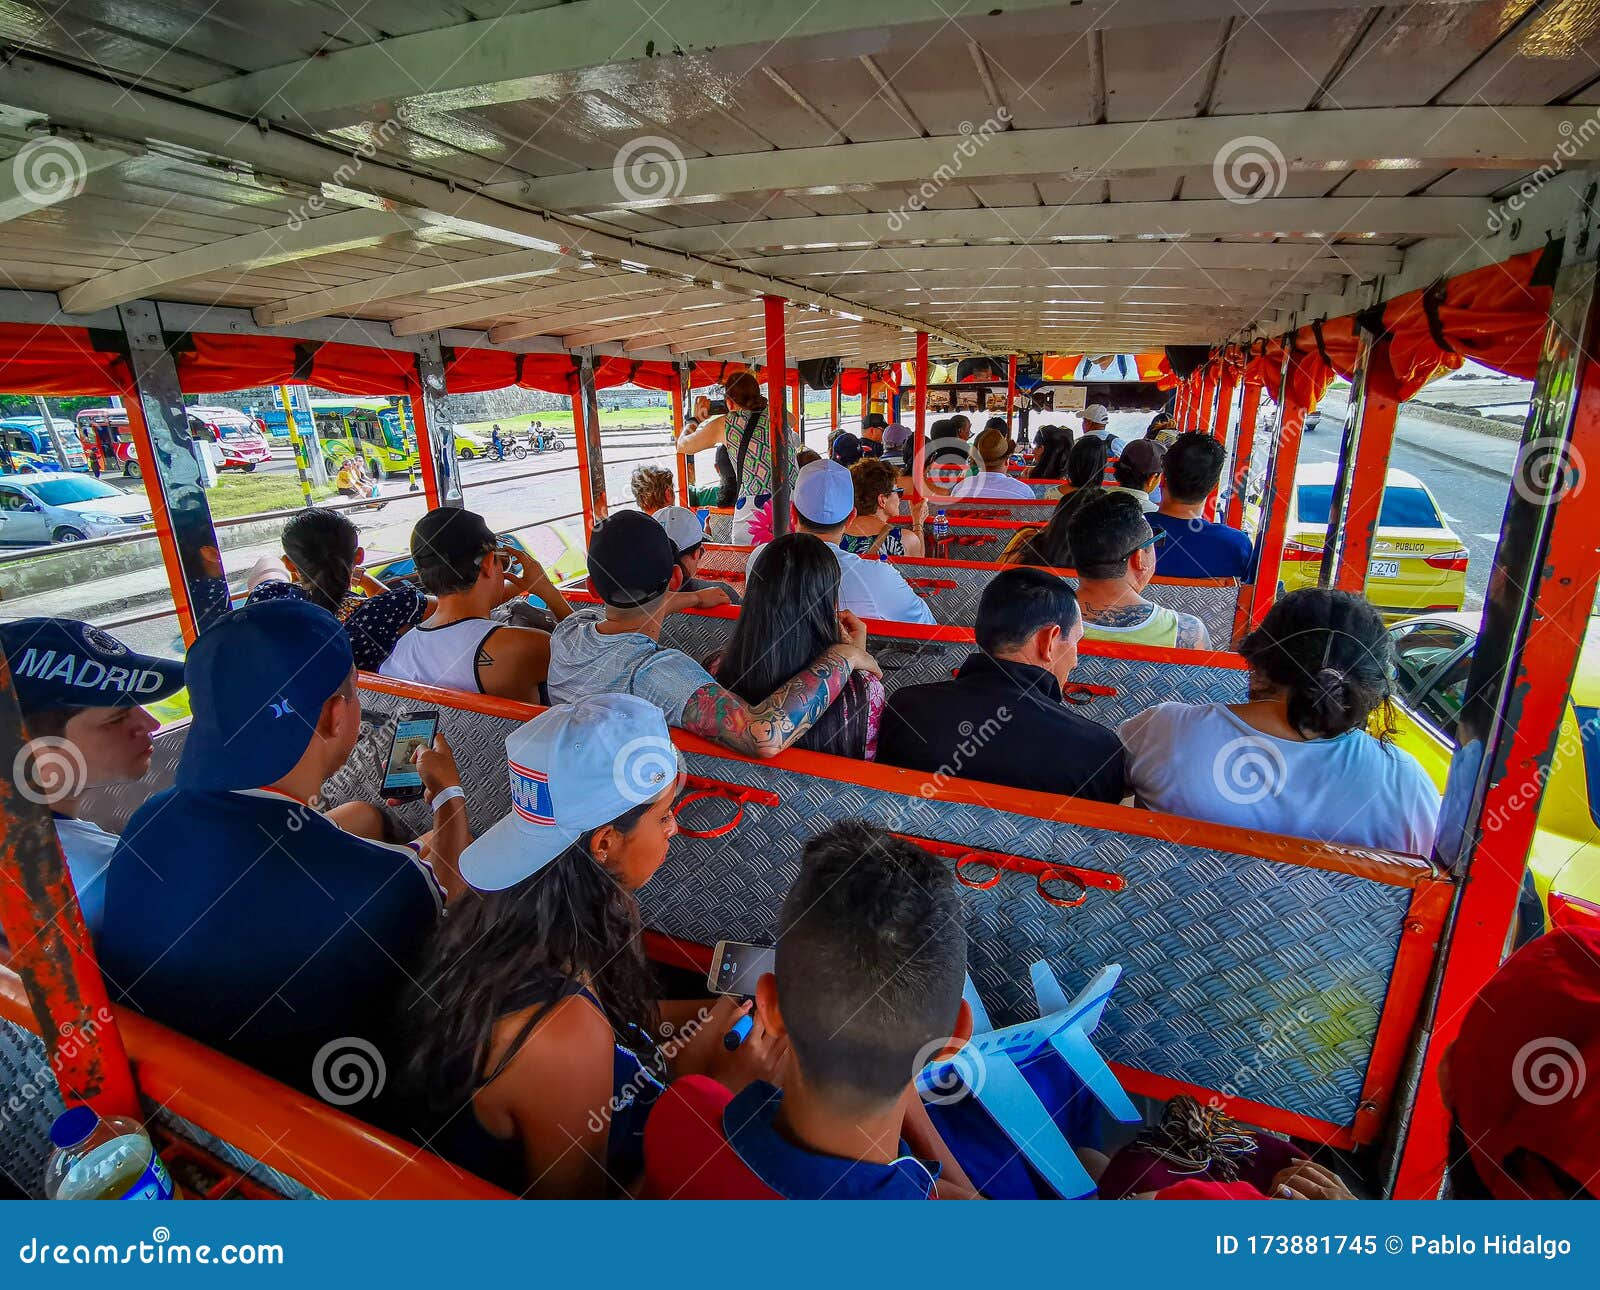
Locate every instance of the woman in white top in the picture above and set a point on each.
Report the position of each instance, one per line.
(1295, 758)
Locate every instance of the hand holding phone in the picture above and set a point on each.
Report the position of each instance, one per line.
(413, 733)
(736, 967)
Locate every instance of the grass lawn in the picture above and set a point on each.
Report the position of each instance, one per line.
(237, 494)
(629, 418)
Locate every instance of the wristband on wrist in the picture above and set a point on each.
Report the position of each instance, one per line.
(447, 795)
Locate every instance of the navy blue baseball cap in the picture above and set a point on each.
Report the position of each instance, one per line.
(257, 682)
(62, 663)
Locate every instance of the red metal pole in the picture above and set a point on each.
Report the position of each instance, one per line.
(1208, 397)
(685, 464)
(591, 461)
(777, 368)
(1249, 407)
(833, 406)
(1353, 516)
(1226, 383)
(430, 469)
(1547, 567)
(919, 427)
(1011, 391)
(1280, 488)
(165, 539)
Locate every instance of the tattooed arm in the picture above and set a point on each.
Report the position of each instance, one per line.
(765, 729)
(1192, 633)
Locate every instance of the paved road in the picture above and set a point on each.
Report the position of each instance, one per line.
(510, 495)
(1472, 496)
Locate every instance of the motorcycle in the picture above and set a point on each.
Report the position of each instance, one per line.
(541, 441)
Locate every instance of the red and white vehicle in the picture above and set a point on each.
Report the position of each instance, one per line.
(241, 438)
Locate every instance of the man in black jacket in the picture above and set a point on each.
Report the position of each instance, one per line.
(1002, 719)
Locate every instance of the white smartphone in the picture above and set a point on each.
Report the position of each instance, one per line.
(736, 967)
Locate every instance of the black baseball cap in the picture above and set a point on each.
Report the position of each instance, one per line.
(631, 560)
(63, 663)
(451, 537)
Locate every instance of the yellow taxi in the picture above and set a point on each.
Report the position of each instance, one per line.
(1418, 563)
(1433, 657)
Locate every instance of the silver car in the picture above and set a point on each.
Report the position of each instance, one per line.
(54, 507)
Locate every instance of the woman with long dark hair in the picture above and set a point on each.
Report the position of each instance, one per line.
(536, 1034)
(745, 431)
(1049, 547)
(1297, 757)
(1050, 461)
(321, 558)
(791, 609)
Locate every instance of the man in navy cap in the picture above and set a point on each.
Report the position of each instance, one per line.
(235, 911)
(81, 691)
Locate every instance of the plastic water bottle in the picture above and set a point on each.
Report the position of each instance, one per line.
(103, 1159)
(941, 527)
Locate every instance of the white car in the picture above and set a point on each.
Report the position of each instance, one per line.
(36, 510)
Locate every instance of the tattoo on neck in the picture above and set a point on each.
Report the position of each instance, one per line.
(1120, 615)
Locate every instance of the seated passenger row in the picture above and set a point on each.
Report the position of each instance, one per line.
(525, 1028)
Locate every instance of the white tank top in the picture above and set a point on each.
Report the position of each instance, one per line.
(446, 656)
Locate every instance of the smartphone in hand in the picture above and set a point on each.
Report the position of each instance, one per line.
(736, 967)
(413, 730)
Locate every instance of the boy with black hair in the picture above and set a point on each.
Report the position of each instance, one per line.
(461, 562)
(1194, 546)
(1113, 552)
(1005, 703)
(866, 987)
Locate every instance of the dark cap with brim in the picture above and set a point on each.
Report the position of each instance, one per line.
(631, 560)
(451, 536)
(257, 683)
(64, 663)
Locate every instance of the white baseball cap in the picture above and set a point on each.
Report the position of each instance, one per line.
(824, 493)
(572, 769)
(683, 526)
(1096, 414)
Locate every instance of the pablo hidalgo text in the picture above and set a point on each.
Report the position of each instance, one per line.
(1544, 1247)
